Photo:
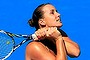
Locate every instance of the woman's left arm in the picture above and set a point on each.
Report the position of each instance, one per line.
(72, 47)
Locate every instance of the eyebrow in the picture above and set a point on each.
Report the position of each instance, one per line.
(53, 10)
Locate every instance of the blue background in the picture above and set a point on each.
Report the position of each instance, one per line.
(75, 15)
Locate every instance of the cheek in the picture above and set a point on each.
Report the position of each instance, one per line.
(50, 20)
(50, 23)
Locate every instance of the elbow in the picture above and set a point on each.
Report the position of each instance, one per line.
(77, 53)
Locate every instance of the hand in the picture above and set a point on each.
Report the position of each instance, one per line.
(49, 32)
(40, 33)
(53, 33)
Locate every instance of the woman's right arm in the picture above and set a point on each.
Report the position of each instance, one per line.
(38, 51)
(54, 34)
(61, 50)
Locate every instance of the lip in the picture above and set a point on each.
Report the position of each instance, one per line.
(59, 20)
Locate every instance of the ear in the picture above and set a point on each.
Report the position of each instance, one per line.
(42, 22)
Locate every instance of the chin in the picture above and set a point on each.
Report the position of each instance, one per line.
(59, 26)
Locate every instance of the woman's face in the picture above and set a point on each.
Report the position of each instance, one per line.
(51, 16)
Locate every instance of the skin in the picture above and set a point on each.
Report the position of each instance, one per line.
(64, 45)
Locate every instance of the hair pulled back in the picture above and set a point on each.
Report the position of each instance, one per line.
(37, 14)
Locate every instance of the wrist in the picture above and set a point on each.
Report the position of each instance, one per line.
(59, 38)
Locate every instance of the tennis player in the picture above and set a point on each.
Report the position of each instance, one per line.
(53, 43)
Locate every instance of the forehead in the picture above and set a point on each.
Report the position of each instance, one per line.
(48, 8)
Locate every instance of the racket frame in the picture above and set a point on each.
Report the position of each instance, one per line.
(11, 35)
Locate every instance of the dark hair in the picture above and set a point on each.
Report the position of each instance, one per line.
(37, 14)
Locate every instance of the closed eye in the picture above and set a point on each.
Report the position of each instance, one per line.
(52, 11)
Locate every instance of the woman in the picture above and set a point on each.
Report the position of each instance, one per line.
(52, 42)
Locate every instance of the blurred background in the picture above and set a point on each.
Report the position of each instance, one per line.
(75, 15)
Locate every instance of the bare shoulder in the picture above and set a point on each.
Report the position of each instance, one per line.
(34, 45)
(36, 50)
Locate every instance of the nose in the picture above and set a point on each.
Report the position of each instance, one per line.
(58, 14)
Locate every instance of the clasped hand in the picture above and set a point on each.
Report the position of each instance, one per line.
(47, 32)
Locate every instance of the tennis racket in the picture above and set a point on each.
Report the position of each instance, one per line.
(7, 43)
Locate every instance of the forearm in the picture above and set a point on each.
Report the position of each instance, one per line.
(71, 47)
(61, 51)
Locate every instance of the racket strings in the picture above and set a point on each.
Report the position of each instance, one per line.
(6, 45)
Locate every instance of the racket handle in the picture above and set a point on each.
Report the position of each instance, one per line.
(34, 37)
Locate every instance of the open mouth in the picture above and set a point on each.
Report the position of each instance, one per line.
(59, 20)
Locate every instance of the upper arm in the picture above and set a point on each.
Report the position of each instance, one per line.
(38, 51)
(65, 37)
(71, 46)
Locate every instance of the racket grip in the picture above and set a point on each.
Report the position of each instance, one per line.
(34, 37)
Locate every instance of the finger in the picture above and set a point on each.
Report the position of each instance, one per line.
(48, 32)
